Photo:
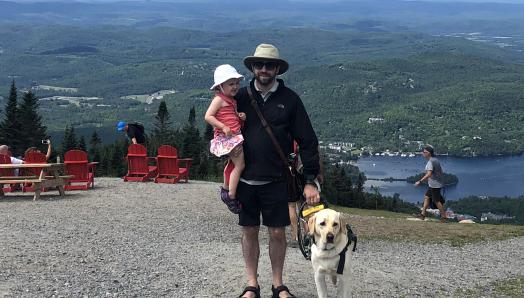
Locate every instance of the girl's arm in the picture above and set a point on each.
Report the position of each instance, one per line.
(210, 118)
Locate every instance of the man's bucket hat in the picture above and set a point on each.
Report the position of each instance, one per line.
(121, 125)
(265, 52)
(223, 73)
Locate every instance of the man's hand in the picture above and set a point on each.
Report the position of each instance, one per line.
(242, 116)
(311, 194)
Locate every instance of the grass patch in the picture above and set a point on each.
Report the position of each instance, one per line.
(391, 226)
(511, 287)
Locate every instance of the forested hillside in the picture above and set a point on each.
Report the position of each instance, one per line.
(463, 96)
(463, 104)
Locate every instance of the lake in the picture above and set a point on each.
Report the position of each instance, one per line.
(479, 176)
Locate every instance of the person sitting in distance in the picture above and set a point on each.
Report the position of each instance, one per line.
(35, 149)
(4, 149)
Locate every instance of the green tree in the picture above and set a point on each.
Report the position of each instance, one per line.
(192, 142)
(94, 143)
(82, 144)
(162, 131)
(32, 129)
(10, 130)
(69, 140)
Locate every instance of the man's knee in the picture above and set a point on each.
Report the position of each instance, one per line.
(277, 233)
(251, 232)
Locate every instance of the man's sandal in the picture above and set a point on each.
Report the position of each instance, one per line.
(276, 291)
(251, 289)
(420, 216)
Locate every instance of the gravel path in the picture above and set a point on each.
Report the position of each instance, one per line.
(152, 240)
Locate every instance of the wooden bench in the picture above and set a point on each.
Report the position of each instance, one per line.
(39, 182)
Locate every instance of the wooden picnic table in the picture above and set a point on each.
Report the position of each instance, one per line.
(49, 177)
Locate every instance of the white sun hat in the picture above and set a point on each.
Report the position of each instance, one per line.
(223, 73)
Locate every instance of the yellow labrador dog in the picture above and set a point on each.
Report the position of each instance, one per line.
(331, 246)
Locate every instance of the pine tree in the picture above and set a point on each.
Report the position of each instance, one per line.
(162, 132)
(69, 141)
(93, 151)
(116, 162)
(10, 130)
(82, 144)
(192, 144)
(95, 139)
(32, 130)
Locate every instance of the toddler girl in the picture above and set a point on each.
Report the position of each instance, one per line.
(222, 114)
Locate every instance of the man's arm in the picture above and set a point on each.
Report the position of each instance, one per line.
(428, 174)
(303, 132)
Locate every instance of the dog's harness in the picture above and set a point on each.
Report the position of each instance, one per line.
(342, 254)
(352, 238)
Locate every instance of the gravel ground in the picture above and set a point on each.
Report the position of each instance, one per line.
(152, 240)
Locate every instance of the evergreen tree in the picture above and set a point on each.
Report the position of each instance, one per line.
(192, 144)
(94, 142)
(10, 131)
(94, 151)
(162, 132)
(32, 130)
(116, 163)
(82, 144)
(69, 141)
(95, 139)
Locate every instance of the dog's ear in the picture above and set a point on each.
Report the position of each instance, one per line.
(311, 225)
(343, 224)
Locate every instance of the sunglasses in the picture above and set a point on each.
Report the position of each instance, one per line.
(268, 65)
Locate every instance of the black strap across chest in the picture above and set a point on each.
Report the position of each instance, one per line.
(342, 261)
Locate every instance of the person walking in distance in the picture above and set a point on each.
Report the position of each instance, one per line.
(433, 175)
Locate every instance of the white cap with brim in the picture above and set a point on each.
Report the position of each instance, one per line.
(266, 52)
(223, 73)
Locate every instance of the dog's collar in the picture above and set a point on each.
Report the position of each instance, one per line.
(342, 261)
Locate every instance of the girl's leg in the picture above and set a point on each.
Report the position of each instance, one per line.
(237, 157)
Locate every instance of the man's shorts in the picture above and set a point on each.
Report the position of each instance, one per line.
(270, 200)
(434, 195)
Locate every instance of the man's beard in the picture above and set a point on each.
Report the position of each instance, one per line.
(265, 79)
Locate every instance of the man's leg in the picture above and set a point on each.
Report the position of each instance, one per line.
(277, 254)
(425, 205)
(441, 209)
(251, 251)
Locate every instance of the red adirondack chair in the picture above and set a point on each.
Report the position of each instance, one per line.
(138, 168)
(76, 164)
(171, 169)
(5, 159)
(33, 157)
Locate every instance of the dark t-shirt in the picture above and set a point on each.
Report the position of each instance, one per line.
(133, 131)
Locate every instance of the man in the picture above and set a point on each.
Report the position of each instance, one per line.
(433, 175)
(4, 149)
(263, 188)
(134, 131)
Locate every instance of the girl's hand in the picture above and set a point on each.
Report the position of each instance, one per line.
(227, 131)
(242, 116)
